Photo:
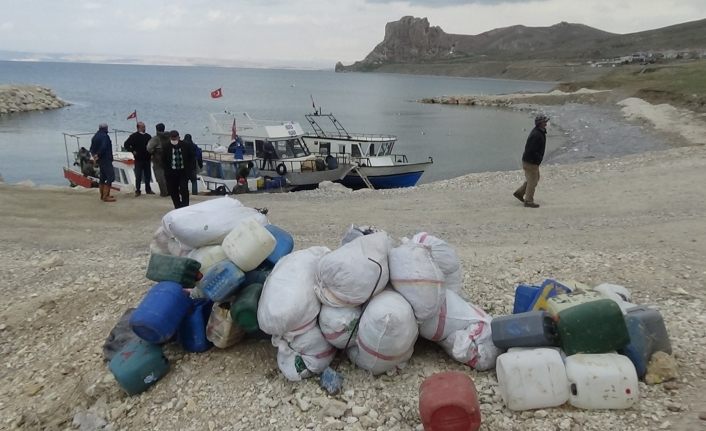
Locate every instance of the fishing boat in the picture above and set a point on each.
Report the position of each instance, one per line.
(82, 172)
(290, 165)
(372, 154)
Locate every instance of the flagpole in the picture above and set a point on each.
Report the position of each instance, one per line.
(136, 120)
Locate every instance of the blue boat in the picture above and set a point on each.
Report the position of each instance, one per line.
(375, 164)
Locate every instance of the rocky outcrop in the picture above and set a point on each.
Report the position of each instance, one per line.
(412, 41)
(24, 98)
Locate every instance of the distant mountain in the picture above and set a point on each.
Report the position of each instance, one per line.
(413, 41)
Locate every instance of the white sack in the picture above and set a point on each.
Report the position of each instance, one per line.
(160, 242)
(454, 314)
(304, 355)
(177, 248)
(445, 258)
(346, 277)
(386, 334)
(415, 276)
(473, 345)
(288, 302)
(355, 231)
(208, 222)
(337, 324)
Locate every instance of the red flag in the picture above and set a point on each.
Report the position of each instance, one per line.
(233, 132)
(133, 115)
(215, 94)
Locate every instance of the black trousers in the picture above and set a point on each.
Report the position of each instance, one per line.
(143, 172)
(178, 186)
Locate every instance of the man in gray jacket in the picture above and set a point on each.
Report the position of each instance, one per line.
(155, 147)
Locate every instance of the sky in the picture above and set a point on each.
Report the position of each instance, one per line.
(298, 31)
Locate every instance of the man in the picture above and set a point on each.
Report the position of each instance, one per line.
(156, 147)
(531, 159)
(237, 148)
(178, 162)
(102, 153)
(136, 143)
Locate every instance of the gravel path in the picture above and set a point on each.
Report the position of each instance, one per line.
(72, 265)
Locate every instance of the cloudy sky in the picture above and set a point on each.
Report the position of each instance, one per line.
(320, 31)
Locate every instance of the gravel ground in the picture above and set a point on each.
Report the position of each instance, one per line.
(72, 265)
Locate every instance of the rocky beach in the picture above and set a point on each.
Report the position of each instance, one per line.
(621, 204)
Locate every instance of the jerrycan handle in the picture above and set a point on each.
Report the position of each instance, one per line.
(574, 389)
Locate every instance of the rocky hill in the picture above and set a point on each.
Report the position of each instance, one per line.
(413, 41)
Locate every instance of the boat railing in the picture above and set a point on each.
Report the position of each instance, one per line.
(70, 138)
(364, 137)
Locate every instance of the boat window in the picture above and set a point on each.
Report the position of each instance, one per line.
(355, 150)
(342, 148)
(325, 148)
(259, 148)
(290, 148)
(229, 171)
(249, 148)
(372, 150)
(385, 148)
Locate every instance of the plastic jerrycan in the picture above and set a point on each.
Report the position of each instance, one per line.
(248, 245)
(284, 243)
(524, 297)
(243, 311)
(549, 289)
(208, 256)
(588, 323)
(138, 365)
(160, 312)
(601, 381)
(192, 331)
(182, 270)
(532, 378)
(221, 330)
(448, 402)
(647, 336)
(530, 329)
(222, 281)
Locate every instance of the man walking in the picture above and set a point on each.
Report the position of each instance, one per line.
(531, 159)
(102, 152)
(136, 143)
(179, 161)
(157, 147)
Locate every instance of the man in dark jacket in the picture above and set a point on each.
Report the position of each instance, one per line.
(531, 159)
(156, 147)
(136, 143)
(178, 162)
(102, 153)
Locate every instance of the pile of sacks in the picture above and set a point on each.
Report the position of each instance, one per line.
(369, 297)
(373, 300)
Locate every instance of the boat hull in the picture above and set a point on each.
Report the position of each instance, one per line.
(386, 177)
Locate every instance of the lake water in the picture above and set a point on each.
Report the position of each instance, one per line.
(460, 139)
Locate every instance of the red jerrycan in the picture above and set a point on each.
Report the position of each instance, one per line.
(448, 402)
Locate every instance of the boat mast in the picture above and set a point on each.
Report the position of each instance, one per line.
(341, 131)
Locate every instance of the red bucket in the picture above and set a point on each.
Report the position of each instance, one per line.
(448, 402)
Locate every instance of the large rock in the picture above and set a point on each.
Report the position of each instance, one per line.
(661, 368)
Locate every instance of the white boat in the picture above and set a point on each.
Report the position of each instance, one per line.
(293, 165)
(377, 164)
(82, 172)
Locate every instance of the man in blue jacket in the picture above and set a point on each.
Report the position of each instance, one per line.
(102, 152)
(531, 159)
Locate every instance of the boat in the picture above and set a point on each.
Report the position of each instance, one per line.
(292, 166)
(377, 166)
(80, 170)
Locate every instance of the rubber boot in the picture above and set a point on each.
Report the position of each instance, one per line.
(108, 197)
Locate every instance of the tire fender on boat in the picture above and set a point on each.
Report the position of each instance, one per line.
(281, 169)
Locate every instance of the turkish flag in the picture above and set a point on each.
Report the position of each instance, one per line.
(215, 94)
(133, 115)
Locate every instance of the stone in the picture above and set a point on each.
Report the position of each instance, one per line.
(335, 408)
(541, 414)
(359, 411)
(661, 368)
(88, 421)
(702, 416)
